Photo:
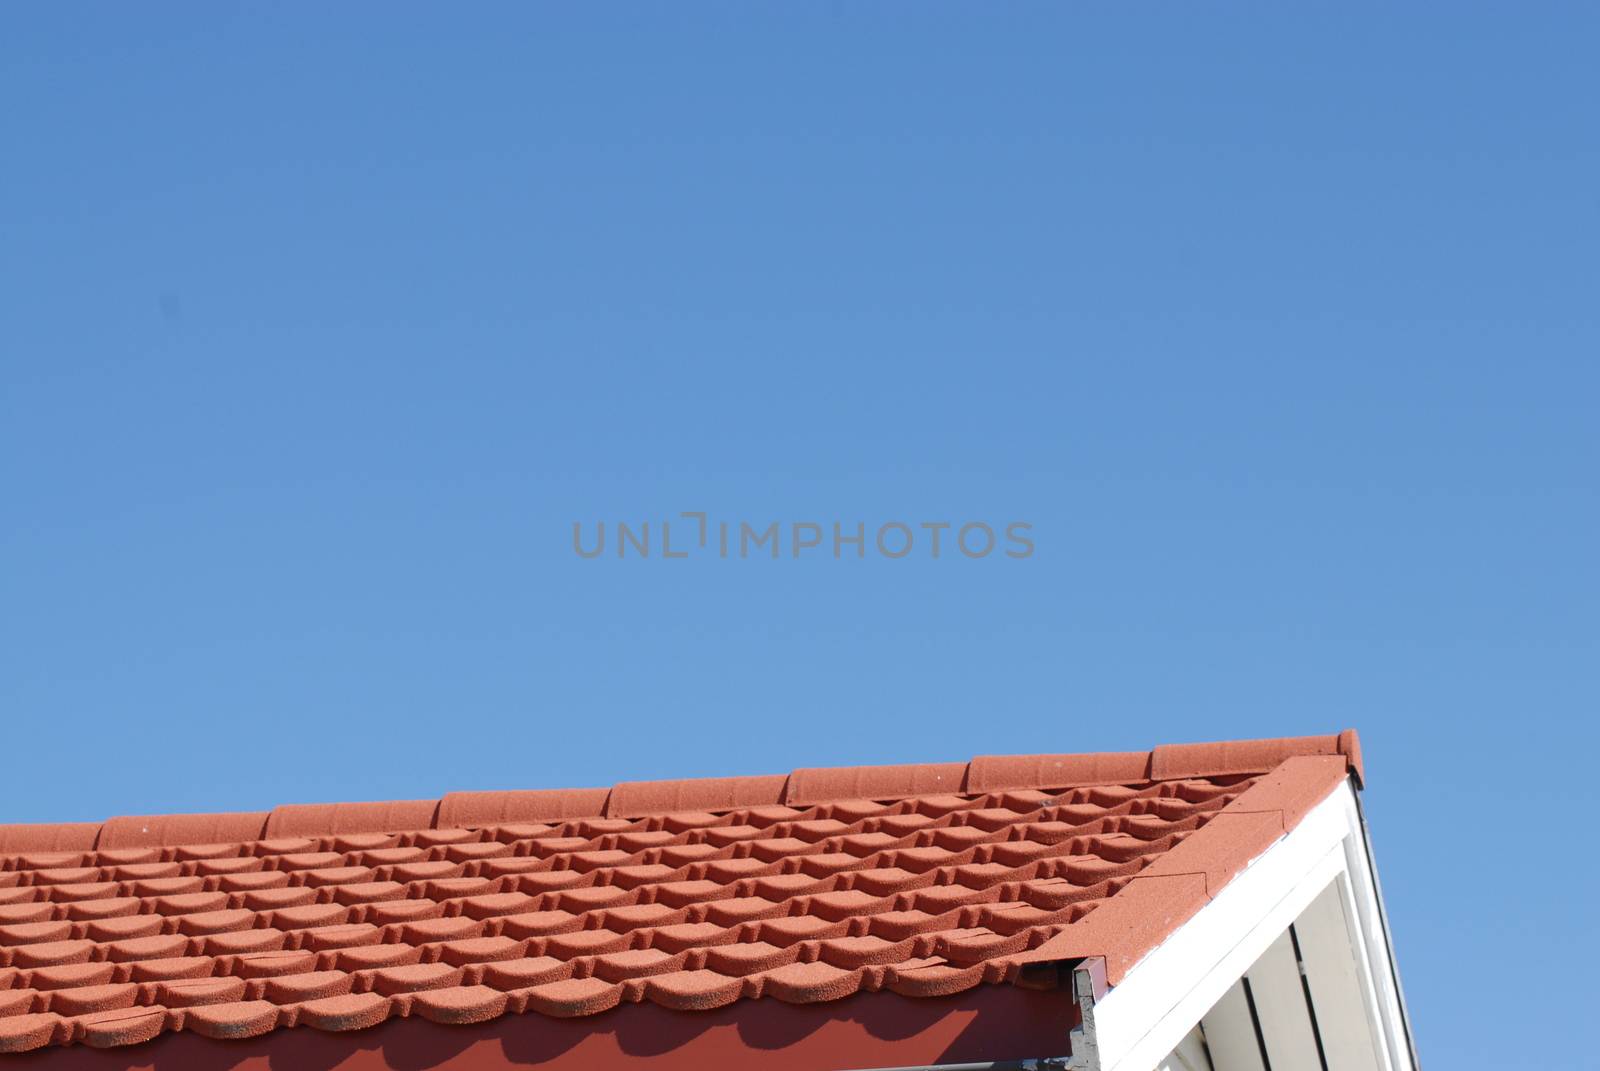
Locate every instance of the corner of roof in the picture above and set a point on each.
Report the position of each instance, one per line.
(1350, 748)
(1294, 775)
(1171, 762)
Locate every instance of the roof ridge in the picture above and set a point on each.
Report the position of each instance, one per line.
(637, 799)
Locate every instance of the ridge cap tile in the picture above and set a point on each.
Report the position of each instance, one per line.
(1173, 762)
(998, 773)
(827, 784)
(512, 806)
(42, 837)
(171, 830)
(330, 819)
(637, 799)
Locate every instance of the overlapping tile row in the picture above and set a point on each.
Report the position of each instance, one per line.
(840, 887)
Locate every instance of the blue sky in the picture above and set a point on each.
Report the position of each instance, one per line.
(320, 329)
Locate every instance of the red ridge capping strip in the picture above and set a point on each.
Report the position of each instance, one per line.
(1171, 762)
(48, 837)
(1350, 748)
(635, 799)
(986, 773)
(465, 809)
(325, 819)
(165, 830)
(826, 784)
(1167, 893)
(996, 773)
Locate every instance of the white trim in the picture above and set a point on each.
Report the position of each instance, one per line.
(1141, 1020)
(1364, 912)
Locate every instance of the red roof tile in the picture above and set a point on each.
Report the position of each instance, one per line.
(691, 895)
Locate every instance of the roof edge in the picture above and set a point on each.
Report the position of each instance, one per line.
(801, 787)
(1171, 762)
(1166, 894)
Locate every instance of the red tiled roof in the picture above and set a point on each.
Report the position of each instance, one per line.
(925, 880)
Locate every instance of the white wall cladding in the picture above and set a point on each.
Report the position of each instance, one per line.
(1287, 969)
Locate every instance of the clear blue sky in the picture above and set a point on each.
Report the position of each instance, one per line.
(320, 328)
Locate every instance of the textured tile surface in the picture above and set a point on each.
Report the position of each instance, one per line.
(690, 895)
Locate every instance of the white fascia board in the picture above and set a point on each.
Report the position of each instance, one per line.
(1369, 934)
(1141, 1020)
